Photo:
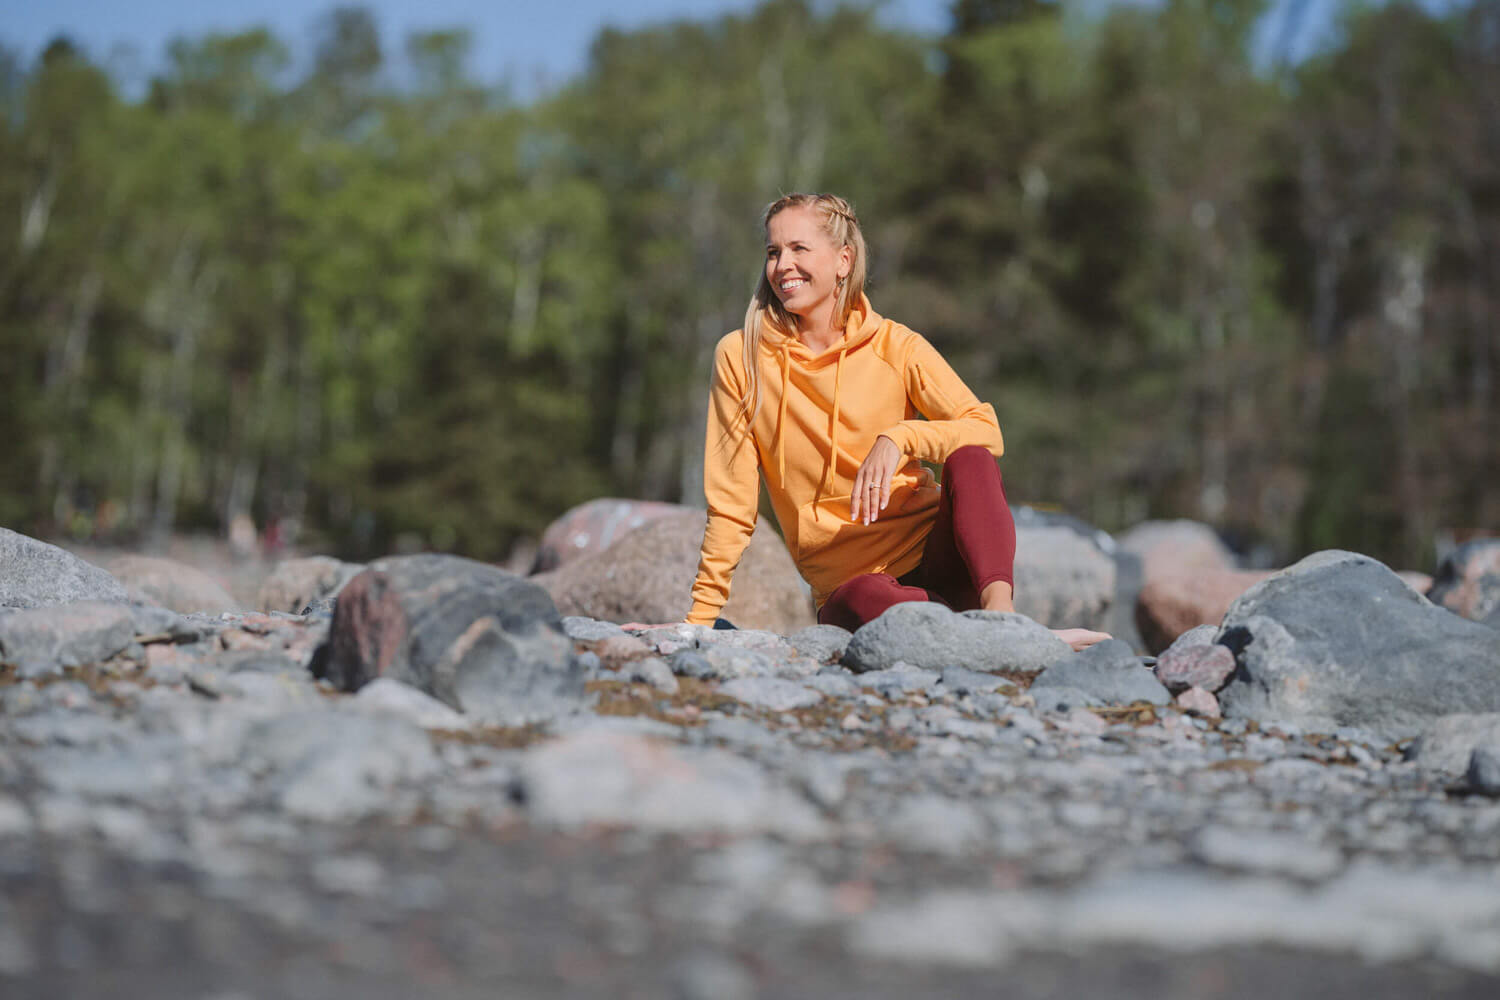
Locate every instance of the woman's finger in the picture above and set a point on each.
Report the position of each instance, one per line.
(875, 486)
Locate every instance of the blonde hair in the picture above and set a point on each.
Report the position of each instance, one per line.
(842, 228)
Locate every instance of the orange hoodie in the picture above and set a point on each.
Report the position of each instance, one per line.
(819, 417)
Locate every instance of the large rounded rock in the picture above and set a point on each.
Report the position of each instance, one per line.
(932, 637)
(1177, 546)
(647, 576)
(1069, 574)
(1340, 640)
(1468, 581)
(34, 574)
(296, 583)
(475, 637)
(592, 527)
(174, 585)
(1172, 603)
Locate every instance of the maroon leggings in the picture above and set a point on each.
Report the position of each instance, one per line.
(972, 544)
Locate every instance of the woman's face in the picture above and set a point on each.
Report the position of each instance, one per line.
(802, 264)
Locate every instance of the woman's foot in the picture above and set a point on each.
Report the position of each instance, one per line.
(1080, 638)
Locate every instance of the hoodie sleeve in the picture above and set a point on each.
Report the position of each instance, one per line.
(731, 485)
(955, 416)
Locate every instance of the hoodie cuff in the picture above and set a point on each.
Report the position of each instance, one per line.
(702, 614)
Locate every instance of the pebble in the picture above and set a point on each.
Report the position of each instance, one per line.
(1483, 774)
(771, 693)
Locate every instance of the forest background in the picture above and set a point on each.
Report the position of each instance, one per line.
(429, 316)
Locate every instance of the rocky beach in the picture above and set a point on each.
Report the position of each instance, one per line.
(429, 775)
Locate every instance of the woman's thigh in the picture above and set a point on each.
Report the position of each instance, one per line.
(865, 598)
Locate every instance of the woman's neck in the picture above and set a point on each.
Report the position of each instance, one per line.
(816, 330)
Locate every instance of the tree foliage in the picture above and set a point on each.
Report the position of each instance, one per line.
(389, 305)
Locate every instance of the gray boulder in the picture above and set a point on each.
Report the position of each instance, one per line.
(1339, 639)
(475, 637)
(34, 574)
(930, 636)
(1070, 574)
(1108, 671)
(42, 641)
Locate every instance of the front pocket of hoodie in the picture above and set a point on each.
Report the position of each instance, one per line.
(818, 523)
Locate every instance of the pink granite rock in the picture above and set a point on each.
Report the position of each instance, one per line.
(1207, 667)
(1171, 603)
(1199, 702)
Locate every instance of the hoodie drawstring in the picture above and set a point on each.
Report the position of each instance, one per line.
(779, 443)
(833, 431)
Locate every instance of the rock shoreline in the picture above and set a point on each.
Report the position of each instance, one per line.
(476, 793)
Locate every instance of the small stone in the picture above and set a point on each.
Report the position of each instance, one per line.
(581, 629)
(899, 680)
(1108, 671)
(1207, 667)
(852, 722)
(771, 693)
(385, 696)
(1199, 702)
(834, 685)
(824, 643)
(960, 680)
(1483, 775)
(721, 663)
(616, 650)
(652, 670)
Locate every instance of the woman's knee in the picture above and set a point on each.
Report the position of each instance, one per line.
(860, 600)
(970, 459)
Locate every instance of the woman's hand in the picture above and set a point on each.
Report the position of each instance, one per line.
(872, 483)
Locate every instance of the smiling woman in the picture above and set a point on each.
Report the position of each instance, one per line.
(825, 400)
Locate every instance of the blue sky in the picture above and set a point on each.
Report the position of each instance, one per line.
(530, 44)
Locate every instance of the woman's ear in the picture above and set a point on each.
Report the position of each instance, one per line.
(846, 261)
